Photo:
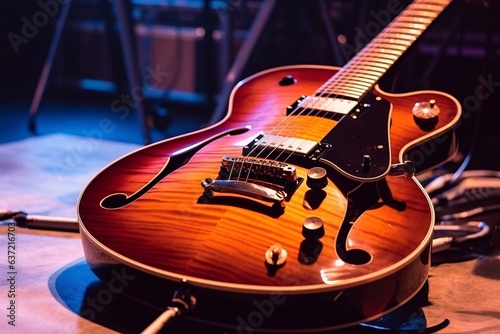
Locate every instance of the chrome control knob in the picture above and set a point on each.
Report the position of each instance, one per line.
(317, 178)
(425, 114)
(312, 228)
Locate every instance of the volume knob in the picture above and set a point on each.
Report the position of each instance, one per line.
(425, 114)
(312, 228)
(317, 178)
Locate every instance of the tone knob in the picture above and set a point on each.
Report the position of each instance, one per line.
(312, 228)
(317, 178)
(425, 114)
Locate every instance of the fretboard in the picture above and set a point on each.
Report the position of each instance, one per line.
(363, 71)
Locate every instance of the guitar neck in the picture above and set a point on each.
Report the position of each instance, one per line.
(361, 73)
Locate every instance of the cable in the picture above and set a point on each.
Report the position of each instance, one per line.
(454, 243)
(471, 212)
(476, 195)
(183, 300)
(161, 321)
(22, 219)
(464, 186)
(442, 183)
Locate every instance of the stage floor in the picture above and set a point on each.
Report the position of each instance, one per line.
(55, 291)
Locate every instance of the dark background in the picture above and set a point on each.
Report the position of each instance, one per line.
(454, 53)
(461, 46)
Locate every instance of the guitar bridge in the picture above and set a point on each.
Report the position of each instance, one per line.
(243, 188)
(264, 180)
(258, 170)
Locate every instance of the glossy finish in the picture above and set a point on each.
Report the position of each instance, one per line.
(221, 245)
(148, 210)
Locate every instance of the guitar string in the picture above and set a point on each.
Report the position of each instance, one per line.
(275, 133)
(371, 46)
(321, 92)
(334, 81)
(414, 17)
(407, 17)
(341, 74)
(296, 124)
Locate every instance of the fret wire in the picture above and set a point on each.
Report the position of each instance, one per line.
(420, 11)
(367, 75)
(351, 79)
(385, 61)
(418, 19)
(424, 15)
(408, 31)
(385, 53)
(389, 46)
(410, 25)
(388, 56)
(367, 82)
(354, 85)
(350, 89)
(435, 1)
(442, 3)
(364, 68)
(430, 7)
(374, 49)
(347, 91)
(404, 31)
(345, 86)
(394, 40)
(378, 60)
(405, 37)
(384, 49)
(337, 94)
(366, 79)
(427, 7)
(374, 67)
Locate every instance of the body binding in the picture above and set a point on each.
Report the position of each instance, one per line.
(167, 235)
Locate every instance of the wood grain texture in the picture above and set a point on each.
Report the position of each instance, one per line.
(221, 245)
(169, 230)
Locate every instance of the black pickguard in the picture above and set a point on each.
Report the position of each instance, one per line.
(360, 144)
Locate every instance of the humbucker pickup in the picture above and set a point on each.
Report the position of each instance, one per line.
(264, 144)
(319, 105)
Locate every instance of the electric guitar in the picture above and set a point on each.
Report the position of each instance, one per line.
(298, 211)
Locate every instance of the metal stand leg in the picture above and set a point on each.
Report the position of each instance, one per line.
(125, 31)
(241, 59)
(47, 67)
(131, 65)
(259, 23)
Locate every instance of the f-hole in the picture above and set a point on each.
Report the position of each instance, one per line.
(368, 196)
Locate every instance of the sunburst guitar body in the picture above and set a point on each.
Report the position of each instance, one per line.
(299, 211)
